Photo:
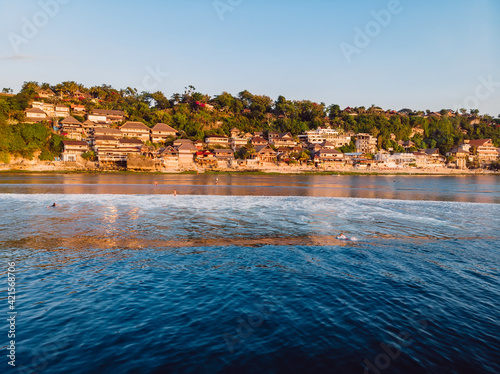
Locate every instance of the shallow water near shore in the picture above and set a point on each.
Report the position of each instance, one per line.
(248, 276)
(479, 189)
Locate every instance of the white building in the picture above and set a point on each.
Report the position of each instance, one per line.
(217, 139)
(73, 149)
(320, 135)
(365, 143)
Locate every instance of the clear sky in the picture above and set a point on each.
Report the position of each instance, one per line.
(418, 54)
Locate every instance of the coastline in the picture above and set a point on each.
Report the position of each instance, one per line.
(263, 171)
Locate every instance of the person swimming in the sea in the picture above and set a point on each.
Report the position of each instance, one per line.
(51, 206)
(342, 236)
(175, 192)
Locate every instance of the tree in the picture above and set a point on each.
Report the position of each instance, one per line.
(7, 90)
(188, 93)
(175, 99)
(31, 86)
(348, 148)
(158, 99)
(225, 100)
(89, 156)
(246, 98)
(246, 152)
(45, 155)
(68, 88)
(304, 156)
(334, 111)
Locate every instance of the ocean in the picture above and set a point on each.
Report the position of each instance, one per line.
(247, 276)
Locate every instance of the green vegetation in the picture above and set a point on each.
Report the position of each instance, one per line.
(89, 156)
(24, 139)
(196, 115)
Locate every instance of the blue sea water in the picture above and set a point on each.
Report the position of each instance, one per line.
(156, 283)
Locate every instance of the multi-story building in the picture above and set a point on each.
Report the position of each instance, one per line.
(98, 118)
(73, 149)
(135, 130)
(110, 114)
(169, 156)
(105, 141)
(161, 132)
(482, 149)
(319, 135)
(283, 140)
(265, 154)
(237, 143)
(327, 157)
(35, 115)
(365, 143)
(217, 139)
(259, 141)
(103, 131)
(186, 153)
(72, 128)
(61, 111)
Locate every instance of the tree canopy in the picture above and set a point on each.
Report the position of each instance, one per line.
(196, 115)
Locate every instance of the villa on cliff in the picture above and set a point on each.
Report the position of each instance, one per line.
(161, 132)
(113, 140)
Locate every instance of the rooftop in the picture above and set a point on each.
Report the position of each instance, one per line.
(163, 127)
(74, 142)
(70, 121)
(134, 125)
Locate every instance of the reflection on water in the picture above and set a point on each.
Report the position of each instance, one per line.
(180, 221)
(481, 189)
(142, 281)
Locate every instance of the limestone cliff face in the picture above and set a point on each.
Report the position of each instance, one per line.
(136, 162)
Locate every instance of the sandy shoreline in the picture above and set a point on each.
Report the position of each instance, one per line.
(50, 168)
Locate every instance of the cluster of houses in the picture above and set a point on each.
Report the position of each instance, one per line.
(114, 145)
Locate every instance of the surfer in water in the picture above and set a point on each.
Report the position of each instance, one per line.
(342, 236)
(51, 206)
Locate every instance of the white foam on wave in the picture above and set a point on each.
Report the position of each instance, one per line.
(288, 214)
(360, 200)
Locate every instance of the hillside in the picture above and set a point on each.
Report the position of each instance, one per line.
(196, 115)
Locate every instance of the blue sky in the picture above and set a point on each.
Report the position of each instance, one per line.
(428, 55)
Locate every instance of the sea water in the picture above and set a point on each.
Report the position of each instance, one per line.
(148, 282)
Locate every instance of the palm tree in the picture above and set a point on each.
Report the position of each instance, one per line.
(303, 157)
